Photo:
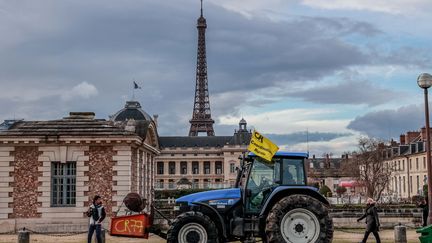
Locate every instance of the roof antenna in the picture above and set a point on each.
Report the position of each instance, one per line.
(201, 9)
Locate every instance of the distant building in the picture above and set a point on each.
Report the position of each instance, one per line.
(50, 170)
(332, 172)
(408, 162)
(200, 162)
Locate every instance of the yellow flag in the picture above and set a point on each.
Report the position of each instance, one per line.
(262, 146)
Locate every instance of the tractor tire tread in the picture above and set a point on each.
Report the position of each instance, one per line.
(196, 217)
(272, 229)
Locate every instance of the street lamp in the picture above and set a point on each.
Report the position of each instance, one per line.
(424, 81)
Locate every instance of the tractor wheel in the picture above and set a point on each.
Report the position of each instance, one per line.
(192, 227)
(299, 219)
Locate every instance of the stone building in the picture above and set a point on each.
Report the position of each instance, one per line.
(333, 173)
(200, 162)
(50, 170)
(407, 159)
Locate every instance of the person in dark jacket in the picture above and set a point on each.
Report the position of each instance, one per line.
(372, 221)
(425, 208)
(96, 213)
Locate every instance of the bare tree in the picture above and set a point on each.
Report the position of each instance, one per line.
(372, 171)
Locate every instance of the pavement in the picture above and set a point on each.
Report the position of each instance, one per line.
(341, 236)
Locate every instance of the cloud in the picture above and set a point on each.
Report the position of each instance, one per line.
(348, 92)
(386, 6)
(292, 120)
(82, 90)
(386, 124)
(304, 137)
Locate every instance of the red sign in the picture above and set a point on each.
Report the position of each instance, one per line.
(131, 225)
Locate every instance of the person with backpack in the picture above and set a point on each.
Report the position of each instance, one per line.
(96, 213)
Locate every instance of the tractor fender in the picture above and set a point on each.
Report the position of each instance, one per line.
(282, 191)
(222, 224)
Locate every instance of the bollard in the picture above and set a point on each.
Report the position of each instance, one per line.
(400, 234)
(23, 236)
(103, 235)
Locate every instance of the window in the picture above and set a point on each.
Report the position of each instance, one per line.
(195, 167)
(232, 168)
(218, 167)
(417, 164)
(206, 167)
(171, 184)
(172, 169)
(403, 164)
(404, 187)
(160, 168)
(160, 184)
(206, 184)
(410, 165)
(63, 183)
(183, 167)
(172, 154)
(418, 184)
(399, 167)
(424, 163)
(410, 184)
(184, 154)
(195, 183)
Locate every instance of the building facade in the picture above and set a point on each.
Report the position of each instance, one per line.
(407, 159)
(50, 170)
(200, 162)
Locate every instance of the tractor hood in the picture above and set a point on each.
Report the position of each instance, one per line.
(224, 196)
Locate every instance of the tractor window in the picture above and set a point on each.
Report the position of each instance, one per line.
(293, 172)
(261, 180)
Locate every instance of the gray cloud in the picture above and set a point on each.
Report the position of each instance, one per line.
(348, 92)
(55, 45)
(303, 137)
(388, 124)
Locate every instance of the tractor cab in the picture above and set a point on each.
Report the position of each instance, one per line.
(263, 177)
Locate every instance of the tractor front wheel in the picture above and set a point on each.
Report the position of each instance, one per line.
(192, 227)
(299, 219)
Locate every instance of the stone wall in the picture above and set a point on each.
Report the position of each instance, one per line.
(101, 175)
(6, 177)
(25, 185)
(134, 170)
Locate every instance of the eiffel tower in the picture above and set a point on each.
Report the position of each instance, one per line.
(201, 121)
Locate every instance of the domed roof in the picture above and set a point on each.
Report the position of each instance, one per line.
(132, 110)
(242, 121)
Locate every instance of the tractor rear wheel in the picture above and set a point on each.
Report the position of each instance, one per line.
(192, 227)
(299, 219)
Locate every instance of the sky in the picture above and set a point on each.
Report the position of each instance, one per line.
(313, 75)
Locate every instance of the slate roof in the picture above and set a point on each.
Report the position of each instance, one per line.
(239, 138)
(132, 110)
(71, 127)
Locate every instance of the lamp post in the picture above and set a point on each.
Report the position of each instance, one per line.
(424, 80)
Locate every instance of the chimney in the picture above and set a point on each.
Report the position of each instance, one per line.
(410, 136)
(423, 133)
(80, 115)
(402, 139)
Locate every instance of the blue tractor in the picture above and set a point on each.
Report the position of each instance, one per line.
(271, 201)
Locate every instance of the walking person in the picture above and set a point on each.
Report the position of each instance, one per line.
(372, 221)
(97, 214)
(425, 208)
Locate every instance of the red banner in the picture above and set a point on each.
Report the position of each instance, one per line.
(131, 225)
